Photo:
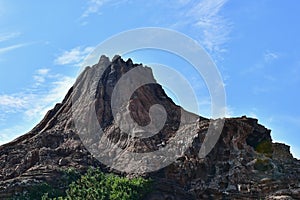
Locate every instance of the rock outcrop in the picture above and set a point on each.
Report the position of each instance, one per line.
(244, 164)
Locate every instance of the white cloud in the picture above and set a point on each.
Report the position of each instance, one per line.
(266, 58)
(11, 101)
(35, 105)
(203, 16)
(41, 75)
(43, 71)
(8, 36)
(213, 28)
(60, 89)
(270, 56)
(41, 103)
(39, 79)
(12, 47)
(74, 56)
(93, 7)
(34, 102)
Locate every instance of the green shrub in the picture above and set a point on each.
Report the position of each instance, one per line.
(97, 185)
(69, 176)
(92, 185)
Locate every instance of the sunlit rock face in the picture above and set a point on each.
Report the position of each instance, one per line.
(244, 163)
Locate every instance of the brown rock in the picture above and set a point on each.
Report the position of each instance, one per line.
(242, 165)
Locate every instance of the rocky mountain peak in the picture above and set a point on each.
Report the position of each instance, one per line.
(244, 164)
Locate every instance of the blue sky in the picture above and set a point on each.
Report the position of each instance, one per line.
(254, 44)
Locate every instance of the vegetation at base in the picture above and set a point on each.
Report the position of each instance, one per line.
(35, 192)
(97, 185)
(92, 185)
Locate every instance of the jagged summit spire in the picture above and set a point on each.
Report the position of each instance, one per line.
(103, 59)
(116, 57)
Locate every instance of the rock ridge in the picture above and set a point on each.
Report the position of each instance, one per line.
(244, 164)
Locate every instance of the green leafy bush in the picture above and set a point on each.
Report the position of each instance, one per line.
(97, 185)
(69, 176)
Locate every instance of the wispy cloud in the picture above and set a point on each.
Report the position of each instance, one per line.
(202, 16)
(93, 7)
(270, 56)
(43, 101)
(33, 103)
(37, 100)
(263, 62)
(205, 20)
(214, 29)
(11, 101)
(12, 47)
(43, 71)
(74, 56)
(8, 36)
(41, 75)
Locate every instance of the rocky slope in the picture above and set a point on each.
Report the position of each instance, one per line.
(244, 164)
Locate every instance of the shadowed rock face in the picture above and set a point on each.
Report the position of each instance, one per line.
(244, 164)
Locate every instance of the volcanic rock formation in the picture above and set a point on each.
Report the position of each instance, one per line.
(244, 163)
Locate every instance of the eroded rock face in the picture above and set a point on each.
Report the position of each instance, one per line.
(244, 164)
(234, 169)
